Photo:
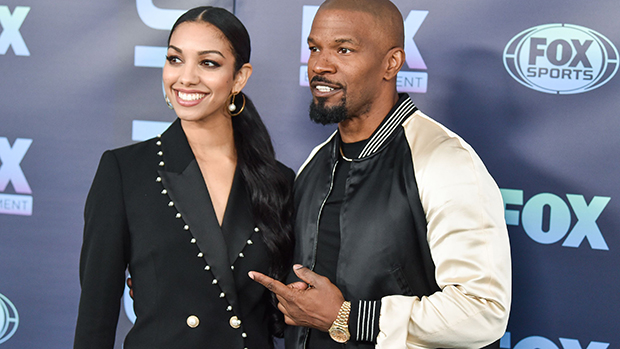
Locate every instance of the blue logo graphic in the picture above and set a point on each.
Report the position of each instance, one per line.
(538, 342)
(9, 319)
(11, 172)
(406, 81)
(10, 36)
(561, 59)
(559, 218)
(128, 303)
(156, 18)
(141, 130)
(160, 19)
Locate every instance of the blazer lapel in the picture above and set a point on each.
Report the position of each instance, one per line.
(188, 193)
(238, 223)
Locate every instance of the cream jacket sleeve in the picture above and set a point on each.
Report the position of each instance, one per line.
(469, 245)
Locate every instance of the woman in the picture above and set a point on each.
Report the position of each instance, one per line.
(190, 212)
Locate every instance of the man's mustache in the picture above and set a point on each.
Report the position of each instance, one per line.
(318, 78)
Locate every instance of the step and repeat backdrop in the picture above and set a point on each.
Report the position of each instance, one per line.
(530, 84)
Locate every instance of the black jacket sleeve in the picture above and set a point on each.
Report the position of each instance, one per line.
(103, 258)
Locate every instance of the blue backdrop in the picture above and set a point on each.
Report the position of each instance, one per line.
(531, 85)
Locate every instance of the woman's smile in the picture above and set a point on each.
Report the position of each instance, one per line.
(189, 98)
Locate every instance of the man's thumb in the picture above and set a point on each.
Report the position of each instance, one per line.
(307, 275)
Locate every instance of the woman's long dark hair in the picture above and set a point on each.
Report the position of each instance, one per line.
(270, 191)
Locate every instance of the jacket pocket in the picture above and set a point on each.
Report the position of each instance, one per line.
(401, 281)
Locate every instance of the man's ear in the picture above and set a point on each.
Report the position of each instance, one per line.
(394, 60)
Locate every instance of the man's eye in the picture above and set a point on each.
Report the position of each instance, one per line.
(313, 49)
(344, 50)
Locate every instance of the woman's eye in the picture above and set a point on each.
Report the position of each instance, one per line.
(209, 63)
(173, 59)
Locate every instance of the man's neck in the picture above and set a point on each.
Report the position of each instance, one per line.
(361, 127)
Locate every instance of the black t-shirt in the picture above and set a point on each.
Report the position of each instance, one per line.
(328, 246)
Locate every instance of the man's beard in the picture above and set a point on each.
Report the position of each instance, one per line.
(321, 114)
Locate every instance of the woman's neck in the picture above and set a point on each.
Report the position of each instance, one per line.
(210, 139)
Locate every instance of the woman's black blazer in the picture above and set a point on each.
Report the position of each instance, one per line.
(149, 210)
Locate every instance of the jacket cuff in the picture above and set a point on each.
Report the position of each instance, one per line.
(364, 320)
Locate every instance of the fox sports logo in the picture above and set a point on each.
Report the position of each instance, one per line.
(561, 58)
(9, 319)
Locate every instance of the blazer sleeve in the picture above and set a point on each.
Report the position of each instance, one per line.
(103, 258)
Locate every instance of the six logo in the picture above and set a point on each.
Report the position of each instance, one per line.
(10, 171)
(406, 81)
(9, 319)
(156, 18)
(561, 59)
(559, 218)
(537, 342)
(10, 36)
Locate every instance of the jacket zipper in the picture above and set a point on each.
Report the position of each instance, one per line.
(316, 240)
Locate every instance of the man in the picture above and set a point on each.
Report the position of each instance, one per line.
(400, 232)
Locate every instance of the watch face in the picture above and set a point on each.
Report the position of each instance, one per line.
(339, 335)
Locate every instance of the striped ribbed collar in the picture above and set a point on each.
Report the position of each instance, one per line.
(401, 111)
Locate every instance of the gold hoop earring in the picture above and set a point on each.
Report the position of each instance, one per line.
(232, 107)
(168, 102)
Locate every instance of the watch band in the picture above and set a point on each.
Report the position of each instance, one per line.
(339, 331)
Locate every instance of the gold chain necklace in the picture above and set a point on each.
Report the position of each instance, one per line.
(344, 157)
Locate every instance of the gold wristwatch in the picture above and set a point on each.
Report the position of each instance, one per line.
(340, 328)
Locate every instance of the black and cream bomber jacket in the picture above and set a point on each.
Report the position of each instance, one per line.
(424, 253)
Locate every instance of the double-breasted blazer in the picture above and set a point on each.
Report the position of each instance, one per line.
(149, 210)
